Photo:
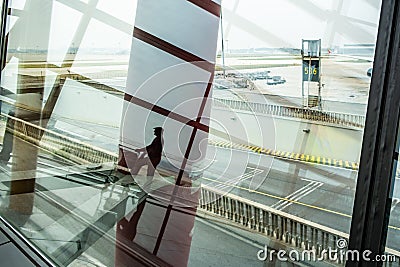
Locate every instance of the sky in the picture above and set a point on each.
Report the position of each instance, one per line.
(246, 23)
(267, 23)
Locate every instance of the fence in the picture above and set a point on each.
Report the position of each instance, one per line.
(59, 144)
(284, 227)
(342, 119)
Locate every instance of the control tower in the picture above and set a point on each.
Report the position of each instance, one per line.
(311, 73)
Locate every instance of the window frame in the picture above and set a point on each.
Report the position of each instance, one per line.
(372, 202)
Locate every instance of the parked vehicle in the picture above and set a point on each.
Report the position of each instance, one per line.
(274, 80)
(369, 72)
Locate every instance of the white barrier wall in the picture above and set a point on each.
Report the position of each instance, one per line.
(339, 143)
(322, 140)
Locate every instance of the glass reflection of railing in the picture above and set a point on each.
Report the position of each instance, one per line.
(58, 144)
(280, 226)
(341, 119)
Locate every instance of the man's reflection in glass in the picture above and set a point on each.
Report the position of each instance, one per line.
(150, 155)
(155, 231)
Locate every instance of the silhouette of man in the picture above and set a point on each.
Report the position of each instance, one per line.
(151, 154)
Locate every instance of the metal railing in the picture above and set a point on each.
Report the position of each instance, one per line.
(276, 224)
(341, 119)
(284, 227)
(59, 144)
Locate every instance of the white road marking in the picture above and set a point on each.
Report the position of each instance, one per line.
(300, 190)
(240, 178)
(298, 194)
(394, 203)
(305, 194)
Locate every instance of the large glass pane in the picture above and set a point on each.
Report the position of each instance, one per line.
(61, 103)
(303, 72)
(116, 150)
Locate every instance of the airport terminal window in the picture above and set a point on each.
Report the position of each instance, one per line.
(118, 150)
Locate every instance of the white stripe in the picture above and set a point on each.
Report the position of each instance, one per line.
(303, 195)
(395, 201)
(292, 195)
(298, 194)
(240, 178)
(297, 191)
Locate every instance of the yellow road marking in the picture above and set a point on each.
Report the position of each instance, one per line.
(355, 166)
(289, 155)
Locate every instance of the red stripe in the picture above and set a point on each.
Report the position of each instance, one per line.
(183, 166)
(172, 49)
(207, 5)
(165, 112)
(205, 98)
